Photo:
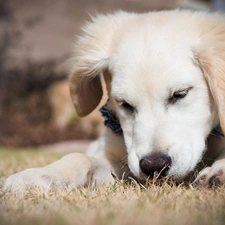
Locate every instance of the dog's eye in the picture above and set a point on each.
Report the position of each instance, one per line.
(178, 95)
(126, 106)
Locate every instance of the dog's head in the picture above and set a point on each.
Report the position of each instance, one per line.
(165, 76)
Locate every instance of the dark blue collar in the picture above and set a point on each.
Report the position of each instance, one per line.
(113, 122)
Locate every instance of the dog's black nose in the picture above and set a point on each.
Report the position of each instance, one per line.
(159, 163)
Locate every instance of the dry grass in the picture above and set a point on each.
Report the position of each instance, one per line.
(117, 204)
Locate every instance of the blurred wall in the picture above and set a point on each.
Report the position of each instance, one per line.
(46, 29)
(36, 39)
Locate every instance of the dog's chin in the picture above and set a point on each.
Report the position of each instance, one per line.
(139, 175)
(176, 177)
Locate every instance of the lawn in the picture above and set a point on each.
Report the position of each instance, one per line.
(117, 204)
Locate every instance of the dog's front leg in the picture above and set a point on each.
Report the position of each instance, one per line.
(72, 170)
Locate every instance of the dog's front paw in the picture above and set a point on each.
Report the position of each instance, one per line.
(214, 175)
(71, 171)
(33, 177)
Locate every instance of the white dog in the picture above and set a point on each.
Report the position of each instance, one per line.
(165, 77)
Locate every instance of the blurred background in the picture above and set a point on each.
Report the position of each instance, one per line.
(36, 39)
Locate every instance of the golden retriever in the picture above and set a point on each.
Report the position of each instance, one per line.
(165, 78)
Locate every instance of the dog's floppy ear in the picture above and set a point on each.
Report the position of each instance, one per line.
(91, 56)
(210, 55)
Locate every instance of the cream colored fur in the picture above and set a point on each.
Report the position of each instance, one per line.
(145, 59)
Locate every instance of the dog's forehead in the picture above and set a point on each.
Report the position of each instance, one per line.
(153, 60)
